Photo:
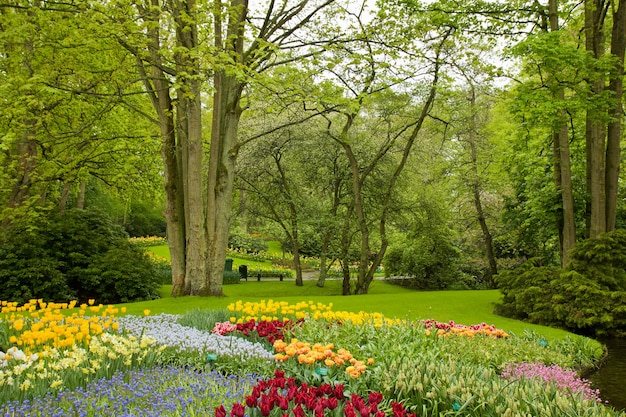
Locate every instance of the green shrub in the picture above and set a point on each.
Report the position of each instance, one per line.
(144, 219)
(27, 271)
(247, 243)
(527, 292)
(80, 254)
(231, 277)
(429, 261)
(589, 297)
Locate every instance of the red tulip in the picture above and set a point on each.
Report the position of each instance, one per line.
(238, 410)
(298, 411)
(251, 401)
(374, 398)
(398, 409)
(331, 403)
(220, 411)
(282, 403)
(349, 410)
(338, 391)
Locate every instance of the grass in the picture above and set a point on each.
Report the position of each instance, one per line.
(164, 252)
(465, 307)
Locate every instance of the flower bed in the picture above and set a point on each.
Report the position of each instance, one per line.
(281, 359)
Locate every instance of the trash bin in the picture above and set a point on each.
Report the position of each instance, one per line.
(228, 266)
(243, 272)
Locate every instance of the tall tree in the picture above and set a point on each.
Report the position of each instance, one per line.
(66, 105)
(281, 28)
(179, 66)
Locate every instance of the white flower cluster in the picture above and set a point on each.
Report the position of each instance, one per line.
(17, 355)
(165, 329)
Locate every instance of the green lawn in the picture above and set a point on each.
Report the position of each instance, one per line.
(164, 252)
(465, 307)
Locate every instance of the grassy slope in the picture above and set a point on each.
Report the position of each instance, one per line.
(465, 307)
(164, 252)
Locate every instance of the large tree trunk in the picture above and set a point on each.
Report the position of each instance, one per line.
(26, 150)
(158, 88)
(595, 132)
(190, 128)
(618, 46)
(357, 195)
(221, 176)
(224, 147)
(562, 164)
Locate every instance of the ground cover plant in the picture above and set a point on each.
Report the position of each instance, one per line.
(281, 358)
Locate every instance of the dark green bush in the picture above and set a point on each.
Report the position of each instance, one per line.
(246, 243)
(589, 297)
(27, 271)
(78, 255)
(231, 277)
(145, 219)
(429, 262)
(527, 292)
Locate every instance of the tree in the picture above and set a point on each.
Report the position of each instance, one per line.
(271, 179)
(198, 227)
(66, 116)
(471, 163)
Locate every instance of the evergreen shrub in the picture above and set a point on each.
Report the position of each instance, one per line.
(80, 254)
(589, 297)
(231, 277)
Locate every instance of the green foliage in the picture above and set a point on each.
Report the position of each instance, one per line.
(526, 292)
(145, 219)
(80, 255)
(182, 358)
(430, 261)
(589, 297)
(231, 277)
(204, 319)
(246, 242)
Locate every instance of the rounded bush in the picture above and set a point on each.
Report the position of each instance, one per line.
(80, 254)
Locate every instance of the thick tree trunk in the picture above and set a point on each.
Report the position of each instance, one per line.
(613, 151)
(80, 199)
(562, 165)
(174, 208)
(357, 196)
(174, 190)
(189, 128)
(194, 201)
(158, 88)
(595, 131)
(221, 176)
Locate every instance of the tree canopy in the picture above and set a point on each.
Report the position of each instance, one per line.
(476, 135)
